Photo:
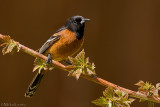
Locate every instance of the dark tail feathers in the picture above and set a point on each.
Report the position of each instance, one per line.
(34, 84)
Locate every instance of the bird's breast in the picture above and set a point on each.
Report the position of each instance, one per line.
(68, 45)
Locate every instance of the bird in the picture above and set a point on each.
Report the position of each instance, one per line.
(66, 41)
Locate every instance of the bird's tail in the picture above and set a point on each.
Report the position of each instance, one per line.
(34, 84)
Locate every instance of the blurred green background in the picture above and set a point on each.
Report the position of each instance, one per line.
(122, 39)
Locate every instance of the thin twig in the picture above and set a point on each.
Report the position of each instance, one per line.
(91, 78)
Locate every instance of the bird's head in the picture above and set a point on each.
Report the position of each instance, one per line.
(76, 23)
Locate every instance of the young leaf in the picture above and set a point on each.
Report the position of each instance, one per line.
(109, 93)
(140, 83)
(10, 45)
(148, 89)
(35, 67)
(40, 64)
(82, 66)
(114, 98)
(101, 102)
(3, 44)
(158, 86)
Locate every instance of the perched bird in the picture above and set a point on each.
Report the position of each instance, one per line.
(65, 42)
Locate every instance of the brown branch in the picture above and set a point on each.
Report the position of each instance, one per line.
(91, 78)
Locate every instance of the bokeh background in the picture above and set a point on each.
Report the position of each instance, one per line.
(122, 39)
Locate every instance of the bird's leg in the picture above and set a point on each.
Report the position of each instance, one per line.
(49, 63)
(49, 59)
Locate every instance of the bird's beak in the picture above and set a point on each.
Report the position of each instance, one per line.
(84, 20)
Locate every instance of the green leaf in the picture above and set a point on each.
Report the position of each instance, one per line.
(131, 100)
(101, 102)
(158, 86)
(10, 46)
(109, 93)
(118, 92)
(82, 66)
(41, 64)
(140, 83)
(77, 73)
(114, 98)
(35, 67)
(148, 89)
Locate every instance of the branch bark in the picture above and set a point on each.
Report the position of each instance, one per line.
(92, 78)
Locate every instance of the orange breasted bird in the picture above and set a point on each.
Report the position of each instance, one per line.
(65, 42)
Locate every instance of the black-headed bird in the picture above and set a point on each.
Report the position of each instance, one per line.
(65, 42)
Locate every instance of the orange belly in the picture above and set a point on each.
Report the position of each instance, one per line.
(68, 45)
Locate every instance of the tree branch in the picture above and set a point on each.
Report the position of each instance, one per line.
(91, 78)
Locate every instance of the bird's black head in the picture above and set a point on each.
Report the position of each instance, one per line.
(76, 24)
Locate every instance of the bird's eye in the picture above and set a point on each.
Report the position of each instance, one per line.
(75, 21)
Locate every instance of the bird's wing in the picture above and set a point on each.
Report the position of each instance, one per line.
(48, 43)
(54, 38)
